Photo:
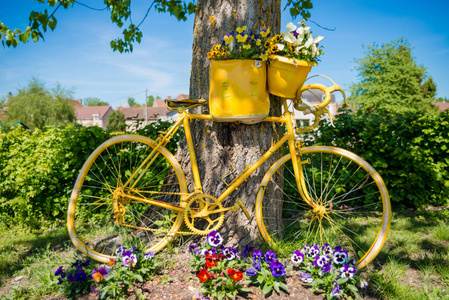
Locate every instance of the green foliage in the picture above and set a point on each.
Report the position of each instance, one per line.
(38, 170)
(37, 107)
(132, 102)
(409, 152)
(120, 13)
(94, 101)
(153, 130)
(116, 121)
(391, 83)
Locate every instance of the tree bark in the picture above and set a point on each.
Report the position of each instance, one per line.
(218, 145)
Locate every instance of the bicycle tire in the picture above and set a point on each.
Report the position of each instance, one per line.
(100, 213)
(357, 217)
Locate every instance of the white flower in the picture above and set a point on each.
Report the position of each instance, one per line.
(280, 46)
(289, 37)
(309, 42)
(290, 27)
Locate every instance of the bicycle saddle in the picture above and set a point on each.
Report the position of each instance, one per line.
(173, 104)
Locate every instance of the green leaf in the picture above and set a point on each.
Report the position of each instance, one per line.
(267, 289)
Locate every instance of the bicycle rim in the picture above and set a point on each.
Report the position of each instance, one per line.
(351, 204)
(101, 215)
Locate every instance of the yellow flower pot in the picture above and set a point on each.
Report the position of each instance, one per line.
(287, 75)
(238, 91)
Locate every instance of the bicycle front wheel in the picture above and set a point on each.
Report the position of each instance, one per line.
(349, 203)
(105, 210)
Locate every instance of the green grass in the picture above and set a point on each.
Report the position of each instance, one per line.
(414, 263)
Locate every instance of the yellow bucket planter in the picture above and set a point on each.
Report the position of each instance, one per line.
(238, 91)
(287, 75)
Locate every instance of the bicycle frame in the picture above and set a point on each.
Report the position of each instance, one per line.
(185, 117)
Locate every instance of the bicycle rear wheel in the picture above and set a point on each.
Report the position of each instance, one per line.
(351, 204)
(103, 216)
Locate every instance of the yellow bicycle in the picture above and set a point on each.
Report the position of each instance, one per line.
(132, 189)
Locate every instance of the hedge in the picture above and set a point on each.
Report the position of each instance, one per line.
(411, 153)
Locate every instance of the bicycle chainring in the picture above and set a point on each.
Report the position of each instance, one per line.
(199, 215)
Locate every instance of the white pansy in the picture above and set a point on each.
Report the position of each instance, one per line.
(290, 27)
(289, 38)
(318, 39)
(309, 42)
(280, 46)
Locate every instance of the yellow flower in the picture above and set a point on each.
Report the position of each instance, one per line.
(228, 39)
(241, 29)
(248, 46)
(241, 38)
(217, 47)
(211, 54)
(265, 32)
(274, 48)
(258, 42)
(264, 56)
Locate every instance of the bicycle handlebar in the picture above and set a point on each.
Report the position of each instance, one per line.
(327, 95)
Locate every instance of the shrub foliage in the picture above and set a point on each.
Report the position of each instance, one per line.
(409, 152)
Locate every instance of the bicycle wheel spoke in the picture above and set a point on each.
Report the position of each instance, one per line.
(346, 202)
(105, 218)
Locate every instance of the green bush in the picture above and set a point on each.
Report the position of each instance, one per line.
(410, 153)
(38, 170)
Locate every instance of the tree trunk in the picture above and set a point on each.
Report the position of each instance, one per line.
(218, 145)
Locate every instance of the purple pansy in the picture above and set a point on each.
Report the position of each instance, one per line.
(277, 269)
(257, 255)
(247, 251)
(340, 255)
(347, 271)
(327, 267)
(314, 251)
(321, 260)
(120, 250)
(70, 277)
(230, 253)
(59, 271)
(297, 257)
(149, 255)
(326, 249)
(80, 275)
(336, 290)
(251, 272)
(256, 264)
(193, 247)
(270, 256)
(306, 249)
(214, 239)
(305, 277)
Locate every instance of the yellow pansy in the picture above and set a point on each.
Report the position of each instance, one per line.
(241, 38)
(265, 32)
(247, 46)
(241, 29)
(258, 42)
(264, 56)
(228, 39)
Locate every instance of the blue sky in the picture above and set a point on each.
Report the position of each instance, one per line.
(78, 55)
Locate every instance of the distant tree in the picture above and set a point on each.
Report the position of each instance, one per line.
(150, 100)
(445, 99)
(132, 102)
(36, 107)
(116, 121)
(391, 83)
(429, 88)
(94, 101)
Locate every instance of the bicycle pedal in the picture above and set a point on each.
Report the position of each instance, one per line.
(242, 206)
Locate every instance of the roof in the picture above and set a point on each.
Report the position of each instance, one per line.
(76, 103)
(442, 105)
(138, 112)
(86, 112)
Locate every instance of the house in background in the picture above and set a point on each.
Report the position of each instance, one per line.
(442, 106)
(139, 116)
(312, 98)
(93, 115)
